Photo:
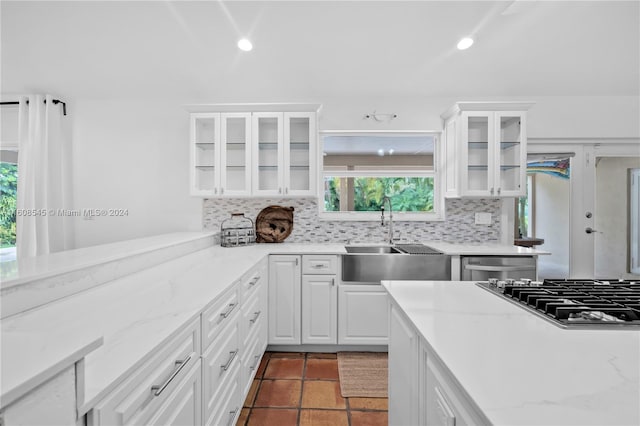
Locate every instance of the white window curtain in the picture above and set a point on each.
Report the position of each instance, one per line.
(44, 181)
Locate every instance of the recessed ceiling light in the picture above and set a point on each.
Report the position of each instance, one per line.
(245, 44)
(465, 43)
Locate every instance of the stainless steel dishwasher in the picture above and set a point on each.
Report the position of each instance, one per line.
(481, 268)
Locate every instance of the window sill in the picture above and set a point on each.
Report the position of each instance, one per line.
(375, 217)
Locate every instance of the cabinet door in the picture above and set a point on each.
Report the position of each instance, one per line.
(477, 151)
(205, 154)
(363, 315)
(319, 309)
(404, 404)
(235, 166)
(510, 154)
(184, 406)
(299, 153)
(284, 299)
(268, 157)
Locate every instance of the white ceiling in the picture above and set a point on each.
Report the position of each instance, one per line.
(311, 50)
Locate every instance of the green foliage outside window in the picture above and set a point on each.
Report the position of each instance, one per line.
(407, 194)
(8, 203)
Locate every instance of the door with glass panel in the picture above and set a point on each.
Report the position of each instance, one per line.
(268, 155)
(235, 167)
(478, 149)
(205, 154)
(299, 159)
(510, 154)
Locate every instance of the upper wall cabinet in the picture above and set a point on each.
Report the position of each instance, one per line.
(485, 149)
(253, 153)
(284, 153)
(220, 154)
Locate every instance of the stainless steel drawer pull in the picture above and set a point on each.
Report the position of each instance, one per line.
(255, 362)
(228, 312)
(231, 358)
(255, 317)
(320, 266)
(180, 364)
(232, 416)
(254, 281)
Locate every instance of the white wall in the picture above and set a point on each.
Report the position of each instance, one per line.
(132, 155)
(552, 214)
(612, 216)
(550, 118)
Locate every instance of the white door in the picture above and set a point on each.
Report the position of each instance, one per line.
(299, 153)
(235, 155)
(284, 299)
(613, 216)
(319, 309)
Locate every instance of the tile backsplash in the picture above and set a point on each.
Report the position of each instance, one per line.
(458, 227)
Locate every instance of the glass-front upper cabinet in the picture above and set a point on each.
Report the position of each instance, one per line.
(485, 149)
(235, 167)
(299, 159)
(268, 153)
(205, 154)
(284, 153)
(512, 157)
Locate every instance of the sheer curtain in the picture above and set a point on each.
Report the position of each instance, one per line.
(44, 182)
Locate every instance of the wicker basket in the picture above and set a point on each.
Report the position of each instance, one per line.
(236, 231)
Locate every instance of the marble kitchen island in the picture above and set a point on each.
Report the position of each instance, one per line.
(496, 363)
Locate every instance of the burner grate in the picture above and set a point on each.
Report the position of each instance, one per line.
(577, 303)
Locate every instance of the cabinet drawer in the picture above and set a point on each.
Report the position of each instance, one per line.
(146, 391)
(223, 311)
(320, 264)
(253, 279)
(228, 404)
(220, 365)
(251, 360)
(253, 316)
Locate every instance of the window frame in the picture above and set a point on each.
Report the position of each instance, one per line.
(438, 213)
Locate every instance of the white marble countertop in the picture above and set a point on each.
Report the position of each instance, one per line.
(18, 271)
(521, 369)
(131, 315)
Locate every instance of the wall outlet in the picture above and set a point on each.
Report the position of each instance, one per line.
(483, 218)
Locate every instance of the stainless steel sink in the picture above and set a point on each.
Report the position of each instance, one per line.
(373, 249)
(372, 264)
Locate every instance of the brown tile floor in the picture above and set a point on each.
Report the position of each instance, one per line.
(292, 388)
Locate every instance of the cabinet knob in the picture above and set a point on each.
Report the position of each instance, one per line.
(215, 190)
(279, 190)
(491, 191)
(286, 190)
(499, 191)
(221, 191)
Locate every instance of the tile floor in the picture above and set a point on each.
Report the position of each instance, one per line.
(304, 389)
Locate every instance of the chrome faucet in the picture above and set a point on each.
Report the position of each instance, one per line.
(390, 235)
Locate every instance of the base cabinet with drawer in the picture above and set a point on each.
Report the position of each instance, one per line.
(303, 299)
(165, 386)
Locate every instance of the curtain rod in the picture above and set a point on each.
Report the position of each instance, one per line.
(55, 102)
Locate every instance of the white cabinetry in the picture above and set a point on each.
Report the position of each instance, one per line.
(362, 315)
(220, 154)
(252, 153)
(319, 299)
(422, 391)
(166, 386)
(404, 398)
(284, 153)
(284, 300)
(485, 149)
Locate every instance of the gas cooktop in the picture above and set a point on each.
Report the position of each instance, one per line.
(573, 303)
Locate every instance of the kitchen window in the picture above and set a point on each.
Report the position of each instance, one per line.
(359, 169)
